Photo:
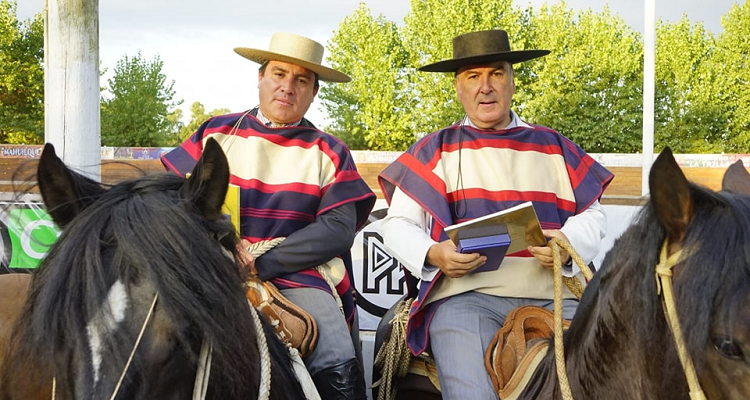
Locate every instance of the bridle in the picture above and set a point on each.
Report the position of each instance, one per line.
(203, 372)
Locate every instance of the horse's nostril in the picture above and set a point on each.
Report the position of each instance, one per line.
(727, 347)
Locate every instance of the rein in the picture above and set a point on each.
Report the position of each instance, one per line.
(664, 289)
(577, 288)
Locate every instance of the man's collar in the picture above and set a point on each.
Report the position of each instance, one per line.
(514, 121)
(268, 122)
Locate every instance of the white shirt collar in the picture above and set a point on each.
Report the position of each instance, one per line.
(268, 122)
(514, 121)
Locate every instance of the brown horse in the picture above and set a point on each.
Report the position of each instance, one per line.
(142, 276)
(620, 345)
(25, 383)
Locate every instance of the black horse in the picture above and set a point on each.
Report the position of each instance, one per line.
(619, 344)
(141, 279)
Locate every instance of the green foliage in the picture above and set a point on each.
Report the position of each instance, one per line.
(141, 109)
(198, 116)
(686, 115)
(733, 66)
(369, 108)
(589, 87)
(22, 77)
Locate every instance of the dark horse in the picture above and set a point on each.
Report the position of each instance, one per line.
(619, 344)
(88, 321)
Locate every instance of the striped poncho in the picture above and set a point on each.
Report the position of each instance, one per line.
(460, 173)
(287, 178)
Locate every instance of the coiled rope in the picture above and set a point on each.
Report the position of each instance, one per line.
(394, 355)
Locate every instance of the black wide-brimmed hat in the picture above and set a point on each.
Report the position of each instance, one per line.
(482, 47)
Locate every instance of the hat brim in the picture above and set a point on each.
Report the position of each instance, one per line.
(512, 57)
(263, 56)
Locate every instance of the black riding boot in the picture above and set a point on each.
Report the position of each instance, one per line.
(345, 381)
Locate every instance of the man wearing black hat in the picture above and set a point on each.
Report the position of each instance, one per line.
(298, 184)
(488, 161)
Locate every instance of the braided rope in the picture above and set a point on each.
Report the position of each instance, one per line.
(257, 249)
(200, 388)
(264, 391)
(394, 355)
(330, 283)
(664, 288)
(135, 346)
(555, 244)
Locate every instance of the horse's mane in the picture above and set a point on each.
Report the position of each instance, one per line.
(140, 230)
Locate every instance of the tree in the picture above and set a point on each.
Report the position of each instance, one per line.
(141, 107)
(198, 117)
(688, 117)
(368, 109)
(22, 78)
(733, 52)
(590, 87)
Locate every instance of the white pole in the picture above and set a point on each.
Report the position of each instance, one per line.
(649, 73)
(71, 83)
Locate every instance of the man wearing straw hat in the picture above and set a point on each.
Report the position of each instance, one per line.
(298, 183)
(488, 161)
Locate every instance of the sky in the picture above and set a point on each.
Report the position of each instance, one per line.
(194, 38)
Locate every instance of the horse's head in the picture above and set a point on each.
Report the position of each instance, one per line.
(712, 274)
(622, 312)
(142, 273)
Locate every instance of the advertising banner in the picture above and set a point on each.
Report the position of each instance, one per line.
(378, 276)
(27, 232)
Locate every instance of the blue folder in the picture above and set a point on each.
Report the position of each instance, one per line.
(491, 241)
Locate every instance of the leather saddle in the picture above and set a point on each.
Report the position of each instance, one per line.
(518, 347)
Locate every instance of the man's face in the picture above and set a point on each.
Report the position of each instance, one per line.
(486, 92)
(286, 91)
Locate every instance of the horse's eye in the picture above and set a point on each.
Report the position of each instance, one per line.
(727, 347)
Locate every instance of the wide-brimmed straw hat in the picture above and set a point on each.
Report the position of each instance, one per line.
(482, 47)
(294, 49)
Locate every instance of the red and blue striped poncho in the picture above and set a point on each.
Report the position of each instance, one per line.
(460, 173)
(287, 178)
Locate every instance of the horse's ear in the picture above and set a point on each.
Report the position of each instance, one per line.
(736, 179)
(209, 181)
(670, 195)
(65, 193)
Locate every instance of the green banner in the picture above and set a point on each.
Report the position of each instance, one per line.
(31, 233)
